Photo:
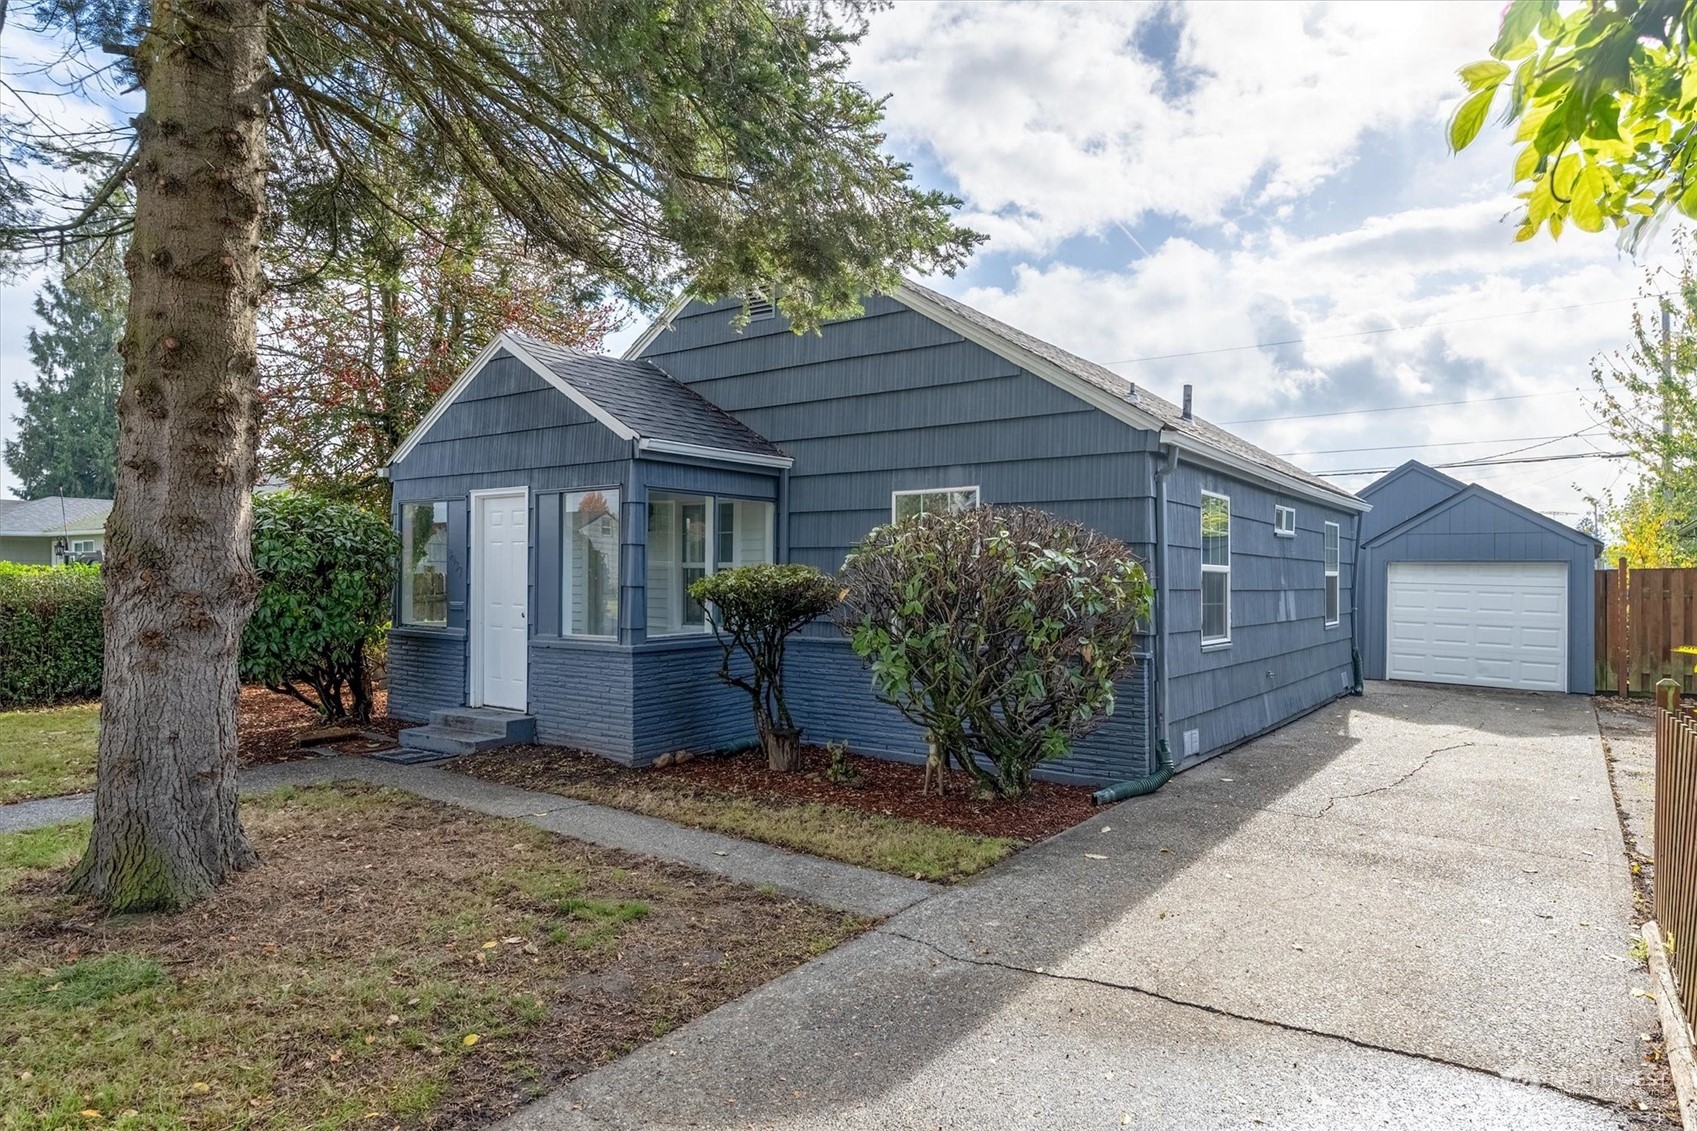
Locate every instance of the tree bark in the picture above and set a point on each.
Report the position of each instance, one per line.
(179, 580)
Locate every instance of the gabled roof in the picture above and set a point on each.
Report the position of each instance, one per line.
(1097, 386)
(1475, 491)
(53, 515)
(634, 399)
(1411, 467)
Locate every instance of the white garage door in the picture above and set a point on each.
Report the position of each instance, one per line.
(1495, 624)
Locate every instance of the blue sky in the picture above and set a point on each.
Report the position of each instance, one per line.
(1163, 179)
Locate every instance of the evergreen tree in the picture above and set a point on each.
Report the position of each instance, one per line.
(66, 441)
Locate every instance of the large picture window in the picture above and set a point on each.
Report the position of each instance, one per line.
(1332, 555)
(1216, 568)
(691, 536)
(424, 563)
(590, 577)
(942, 500)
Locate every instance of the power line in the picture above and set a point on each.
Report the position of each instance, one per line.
(1487, 462)
(1397, 407)
(1381, 330)
(1409, 447)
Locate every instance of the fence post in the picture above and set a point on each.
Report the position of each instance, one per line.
(1623, 674)
(1667, 694)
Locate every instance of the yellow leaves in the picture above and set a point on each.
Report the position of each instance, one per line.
(91, 1113)
(469, 1039)
(198, 1088)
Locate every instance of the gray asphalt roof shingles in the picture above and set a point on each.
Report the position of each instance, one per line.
(53, 515)
(649, 401)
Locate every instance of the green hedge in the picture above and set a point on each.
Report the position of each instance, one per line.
(50, 634)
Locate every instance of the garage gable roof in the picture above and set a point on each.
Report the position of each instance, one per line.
(1412, 467)
(1475, 491)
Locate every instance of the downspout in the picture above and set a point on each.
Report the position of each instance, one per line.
(1149, 783)
(1354, 611)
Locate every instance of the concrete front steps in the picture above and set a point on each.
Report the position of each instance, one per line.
(460, 731)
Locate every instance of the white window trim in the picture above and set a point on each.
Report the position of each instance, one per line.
(977, 497)
(712, 563)
(1218, 641)
(566, 573)
(1280, 530)
(1330, 529)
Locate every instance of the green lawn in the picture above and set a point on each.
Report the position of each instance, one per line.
(392, 963)
(48, 752)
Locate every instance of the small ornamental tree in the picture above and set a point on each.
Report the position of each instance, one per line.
(755, 610)
(326, 571)
(1000, 630)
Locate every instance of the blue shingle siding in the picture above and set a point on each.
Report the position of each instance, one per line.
(582, 696)
(830, 695)
(1421, 515)
(1282, 659)
(427, 672)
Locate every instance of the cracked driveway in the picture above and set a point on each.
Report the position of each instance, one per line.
(1405, 910)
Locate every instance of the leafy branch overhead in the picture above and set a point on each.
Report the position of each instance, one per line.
(1602, 102)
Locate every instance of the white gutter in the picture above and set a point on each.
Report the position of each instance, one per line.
(1200, 451)
(646, 445)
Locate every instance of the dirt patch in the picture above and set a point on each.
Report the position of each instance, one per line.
(393, 963)
(267, 724)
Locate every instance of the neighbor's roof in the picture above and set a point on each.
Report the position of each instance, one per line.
(1168, 416)
(53, 515)
(634, 399)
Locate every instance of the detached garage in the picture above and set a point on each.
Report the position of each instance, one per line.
(1458, 584)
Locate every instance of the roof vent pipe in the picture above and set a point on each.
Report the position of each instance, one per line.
(1187, 402)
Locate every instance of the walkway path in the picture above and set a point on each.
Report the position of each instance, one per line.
(843, 886)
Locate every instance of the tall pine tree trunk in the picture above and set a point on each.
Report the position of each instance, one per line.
(179, 582)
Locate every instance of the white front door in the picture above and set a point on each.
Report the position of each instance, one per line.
(500, 599)
(1495, 624)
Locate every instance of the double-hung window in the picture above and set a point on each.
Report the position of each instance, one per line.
(424, 563)
(1216, 569)
(1332, 544)
(691, 536)
(589, 574)
(938, 500)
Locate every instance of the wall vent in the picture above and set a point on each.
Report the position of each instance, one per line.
(1192, 743)
(760, 309)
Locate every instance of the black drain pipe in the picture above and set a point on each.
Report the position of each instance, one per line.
(1149, 783)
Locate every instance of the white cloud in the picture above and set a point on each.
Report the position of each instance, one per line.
(1054, 125)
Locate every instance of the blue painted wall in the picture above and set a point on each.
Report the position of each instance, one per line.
(1282, 660)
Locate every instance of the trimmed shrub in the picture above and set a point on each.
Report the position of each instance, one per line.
(1000, 630)
(326, 571)
(755, 610)
(50, 634)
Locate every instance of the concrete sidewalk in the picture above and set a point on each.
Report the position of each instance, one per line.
(842, 886)
(1408, 910)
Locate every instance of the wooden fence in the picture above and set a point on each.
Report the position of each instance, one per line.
(1642, 616)
(1676, 847)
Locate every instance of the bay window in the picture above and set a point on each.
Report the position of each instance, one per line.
(691, 536)
(590, 564)
(424, 563)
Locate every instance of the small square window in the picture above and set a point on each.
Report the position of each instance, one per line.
(1284, 521)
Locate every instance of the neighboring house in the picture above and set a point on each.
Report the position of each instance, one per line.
(1461, 585)
(53, 530)
(708, 447)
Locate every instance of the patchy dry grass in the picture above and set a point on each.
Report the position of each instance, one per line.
(393, 962)
(48, 752)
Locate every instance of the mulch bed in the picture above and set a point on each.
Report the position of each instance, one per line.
(268, 722)
(890, 788)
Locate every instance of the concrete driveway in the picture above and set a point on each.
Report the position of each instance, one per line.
(1406, 910)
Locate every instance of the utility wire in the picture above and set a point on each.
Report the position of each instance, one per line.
(1486, 462)
(1381, 330)
(1409, 447)
(1397, 407)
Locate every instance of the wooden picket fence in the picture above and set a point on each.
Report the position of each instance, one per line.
(1676, 847)
(1642, 616)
